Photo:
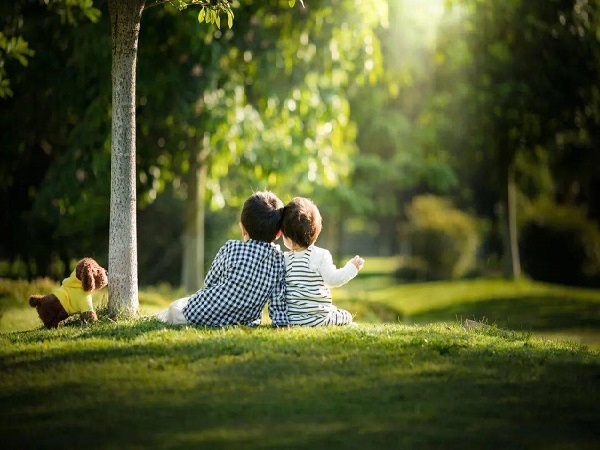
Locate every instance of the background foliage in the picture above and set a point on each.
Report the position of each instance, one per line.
(364, 106)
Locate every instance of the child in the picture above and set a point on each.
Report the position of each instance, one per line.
(243, 276)
(310, 271)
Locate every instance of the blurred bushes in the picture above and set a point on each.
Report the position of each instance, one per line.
(18, 268)
(559, 244)
(18, 291)
(412, 269)
(443, 240)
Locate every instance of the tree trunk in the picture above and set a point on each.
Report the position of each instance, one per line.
(388, 239)
(512, 223)
(193, 240)
(333, 232)
(123, 299)
(512, 260)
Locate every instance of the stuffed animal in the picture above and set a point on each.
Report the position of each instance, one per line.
(74, 295)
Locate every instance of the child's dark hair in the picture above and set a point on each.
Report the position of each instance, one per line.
(301, 221)
(261, 216)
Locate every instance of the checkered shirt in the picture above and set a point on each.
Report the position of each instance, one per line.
(243, 277)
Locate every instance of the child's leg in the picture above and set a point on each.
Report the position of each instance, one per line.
(173, 315)
(338, 317)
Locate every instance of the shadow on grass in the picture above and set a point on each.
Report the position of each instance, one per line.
(371, 311)
(532, 313)
(281, 394)
(106, 334)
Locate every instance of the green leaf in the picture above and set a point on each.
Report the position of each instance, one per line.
(92, 14)
(22, 59)
(291, 3)
(201, 15)
(230, 19)
(5, 90)
(218, 20)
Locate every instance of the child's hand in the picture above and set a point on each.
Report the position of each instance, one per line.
(358, 262)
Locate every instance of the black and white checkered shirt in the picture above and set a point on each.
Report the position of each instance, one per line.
(242, 278)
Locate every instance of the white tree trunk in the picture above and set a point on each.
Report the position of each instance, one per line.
(125, 16)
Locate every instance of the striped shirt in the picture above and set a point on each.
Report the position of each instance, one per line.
(243, 277)
(309, 275)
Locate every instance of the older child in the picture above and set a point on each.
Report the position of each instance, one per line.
(310, 272)
(243, 276)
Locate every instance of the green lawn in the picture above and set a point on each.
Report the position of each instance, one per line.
(144, 385)
(420, 382)
(546, 310)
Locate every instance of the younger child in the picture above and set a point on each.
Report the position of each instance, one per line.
(310, 272)
(243, 276)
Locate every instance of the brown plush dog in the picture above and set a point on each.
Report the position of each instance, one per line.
(74, 295)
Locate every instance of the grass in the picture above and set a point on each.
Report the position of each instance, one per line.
(144, 385)
(420, 381)
(547, 310)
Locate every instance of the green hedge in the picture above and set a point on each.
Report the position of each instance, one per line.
(560, 245)
(443, 239)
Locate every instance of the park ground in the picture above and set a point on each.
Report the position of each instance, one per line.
(410, 375)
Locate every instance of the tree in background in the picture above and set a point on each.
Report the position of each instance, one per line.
(270, 110)
(253, 136)
(400, 154)
(125, 21)
(39, 122)
(520, 91)
(266, 104)
(14, 48)
(247, 107)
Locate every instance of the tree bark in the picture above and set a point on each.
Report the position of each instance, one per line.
(512, 260)
(333, 234)
(512, 223)
(388, 236)
(125, 16)
(193, 239)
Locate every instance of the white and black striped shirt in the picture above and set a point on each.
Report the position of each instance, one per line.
(309, 275)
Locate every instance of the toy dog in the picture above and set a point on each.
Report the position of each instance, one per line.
(74, 295)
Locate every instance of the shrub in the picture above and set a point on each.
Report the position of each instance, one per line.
(442, 237)
(411, 270)
(560, 245)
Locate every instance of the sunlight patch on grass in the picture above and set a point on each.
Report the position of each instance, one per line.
(580, 336)
(414, 298)
(380, 265)
(524, 305)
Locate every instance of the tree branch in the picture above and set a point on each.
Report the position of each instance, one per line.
(203, 3)
(156, 3)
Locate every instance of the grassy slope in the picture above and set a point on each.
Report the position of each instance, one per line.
(402, 385)
(544, 309)
(141, 385)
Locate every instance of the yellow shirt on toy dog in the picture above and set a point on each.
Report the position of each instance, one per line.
(72, 296)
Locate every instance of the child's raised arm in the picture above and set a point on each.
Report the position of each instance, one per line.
(334, 277)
